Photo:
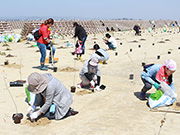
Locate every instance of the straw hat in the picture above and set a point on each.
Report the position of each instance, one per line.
(37, 82)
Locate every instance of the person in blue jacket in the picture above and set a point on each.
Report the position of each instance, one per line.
(157, 73)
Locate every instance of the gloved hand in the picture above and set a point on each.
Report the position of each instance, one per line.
(92, 83)
(31, 109)
(51, 43)
(156, 85)
(34, 115)
(97, 88)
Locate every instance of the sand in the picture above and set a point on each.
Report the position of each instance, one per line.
(113, 111)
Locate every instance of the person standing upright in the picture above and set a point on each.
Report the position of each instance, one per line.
(80, 32)
(44, 42)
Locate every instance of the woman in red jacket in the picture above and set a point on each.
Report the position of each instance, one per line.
(44, 42)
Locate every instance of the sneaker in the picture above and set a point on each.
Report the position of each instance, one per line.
(97, 88)
(55, 61)
(73, 112)
(50, 60)
(44, 68)
(104, 62)
(79, 85)
(100, 62)
(142, 96)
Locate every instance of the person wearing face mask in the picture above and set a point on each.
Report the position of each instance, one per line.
(157, 73)
(90, 74)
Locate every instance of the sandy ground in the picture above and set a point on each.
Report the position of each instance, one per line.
(114, 111)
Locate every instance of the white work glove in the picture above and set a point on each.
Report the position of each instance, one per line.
(31, 109)
(92, 83)
(34, 115)
(97, 88)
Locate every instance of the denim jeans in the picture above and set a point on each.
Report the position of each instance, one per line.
(42, 48)
(83, 46)
(110, 46)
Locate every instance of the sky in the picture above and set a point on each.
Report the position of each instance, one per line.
(90, 9)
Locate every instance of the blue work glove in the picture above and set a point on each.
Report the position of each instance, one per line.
(156, 85)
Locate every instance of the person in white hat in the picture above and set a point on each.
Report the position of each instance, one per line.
(52, 96)
(157, 73)
(90, 74)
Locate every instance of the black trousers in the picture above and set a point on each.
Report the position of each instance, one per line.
(147, 86)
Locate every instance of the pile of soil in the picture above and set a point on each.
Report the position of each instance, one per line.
(9, 55)
(68, 69)
(84, 92)
(176, 106)
(161, 42)
(23, 81)
(27, 43)
(134, 41)
(142, 39)
(61, 47)
(7, 49)
(167, 40)
(13, 65)
(40, 122)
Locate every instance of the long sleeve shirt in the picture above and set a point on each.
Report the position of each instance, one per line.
(150, 75)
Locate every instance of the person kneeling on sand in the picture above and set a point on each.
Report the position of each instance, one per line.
(111, 42)
(52, 96)
(101, 54)
(154, 74)
(90, 74)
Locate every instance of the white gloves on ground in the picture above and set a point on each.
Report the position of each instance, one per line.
(97, 88)
(34, 115)
(92, 83)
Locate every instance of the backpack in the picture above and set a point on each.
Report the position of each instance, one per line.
(146, 66)
(36, 35)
